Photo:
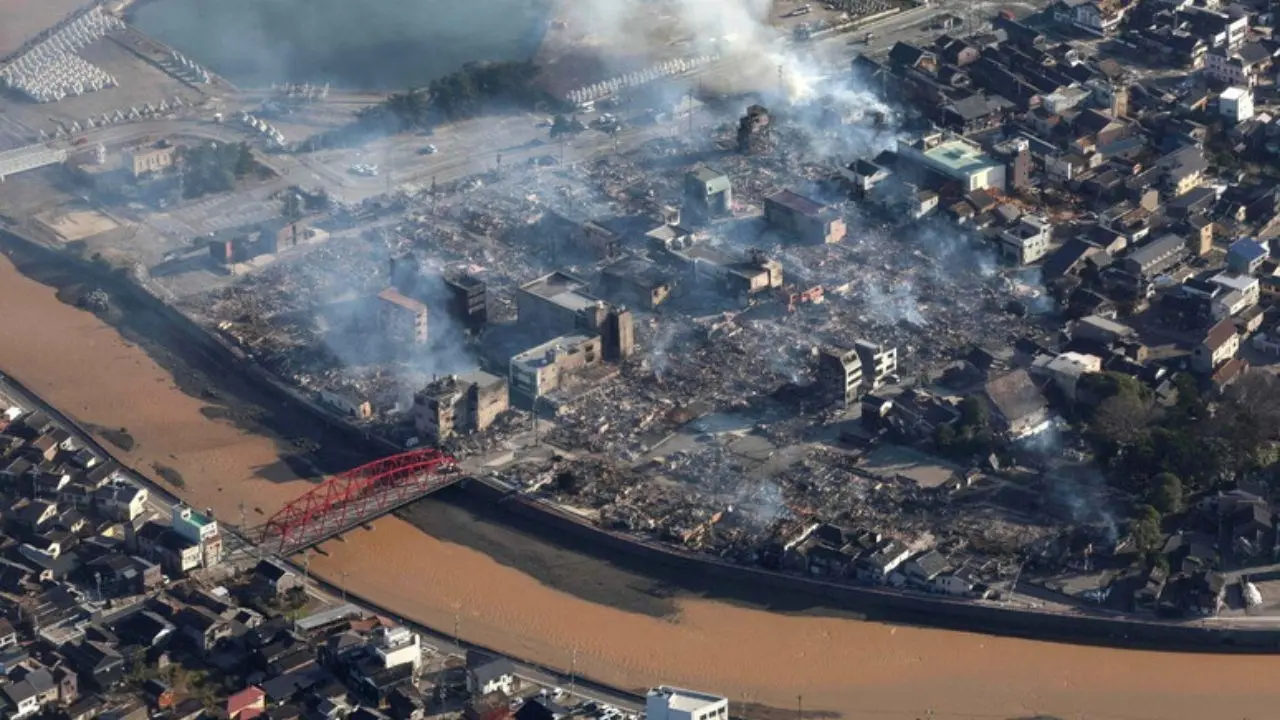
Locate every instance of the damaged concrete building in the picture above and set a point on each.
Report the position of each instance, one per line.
(878, 363)
(708, 194)
(559, 304)
(840, 376)
(458, 404)
(401, 319)
(635, 281)
(543, 369)
(808, 221)
(469, 301)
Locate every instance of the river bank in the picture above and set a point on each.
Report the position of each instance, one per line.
(534, 599)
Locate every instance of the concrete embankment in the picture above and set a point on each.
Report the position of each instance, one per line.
(892, 606)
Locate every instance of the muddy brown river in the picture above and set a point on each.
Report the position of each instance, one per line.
(511, 590)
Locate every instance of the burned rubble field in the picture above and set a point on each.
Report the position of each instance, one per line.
(710, 435)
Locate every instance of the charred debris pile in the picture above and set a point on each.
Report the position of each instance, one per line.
(729, 303)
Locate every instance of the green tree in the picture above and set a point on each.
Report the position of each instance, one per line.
(1166, 493)
(944, 437)
(1145, 527)
(561, 125)
(974, 413)
(1122, 418)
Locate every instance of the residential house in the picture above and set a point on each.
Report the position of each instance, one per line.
(1018, 407)
(1220, 344)
(407, 704)
(202, 627)
(488, 674)
(247, 704)
(121, 500)
(876, 566)
(961, 582)
(270, 579)
(1246, 256)
(8, 636)
(1183, 169)
(921, 570)
(1099, 17)
(99, 664)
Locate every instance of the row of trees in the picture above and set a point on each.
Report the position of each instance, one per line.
(462, 94)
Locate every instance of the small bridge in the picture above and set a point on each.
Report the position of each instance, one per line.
(27, 158)
(355, 497)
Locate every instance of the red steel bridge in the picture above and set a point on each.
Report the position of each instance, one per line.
(357, 496)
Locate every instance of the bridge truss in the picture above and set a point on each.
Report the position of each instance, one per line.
(357, 496)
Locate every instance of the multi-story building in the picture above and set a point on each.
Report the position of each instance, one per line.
(1028, 241)
(470, 301)
(810, 222)
(396, 646)
(878, 363)
(141, 161)
(635, 281)
(672, 703)
(1100, 17)
(400, 318)
(544, 368)
(1236, 104)
(458, 404)
(1218, 29)
(200, 529)
(956, 158)
(840, 375)
(558, 304)
(1220, 344)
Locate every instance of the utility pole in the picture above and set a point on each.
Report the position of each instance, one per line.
(691, 110)
(306, 569)
(799, 707)
(457, 617)
(573, 672)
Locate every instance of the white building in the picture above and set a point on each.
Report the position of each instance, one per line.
(1248, 286)
(670, 703)
(398, 646)
(1028, 242)
(1236, 104)
(1066, 370)
(200, 529)
(122, 499)
(955, 157)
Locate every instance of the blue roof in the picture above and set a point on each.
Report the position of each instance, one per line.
(1247, 249)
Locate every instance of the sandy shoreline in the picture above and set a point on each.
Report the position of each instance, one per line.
(860, 669)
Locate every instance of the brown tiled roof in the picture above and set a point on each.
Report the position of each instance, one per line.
(1219, 334)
